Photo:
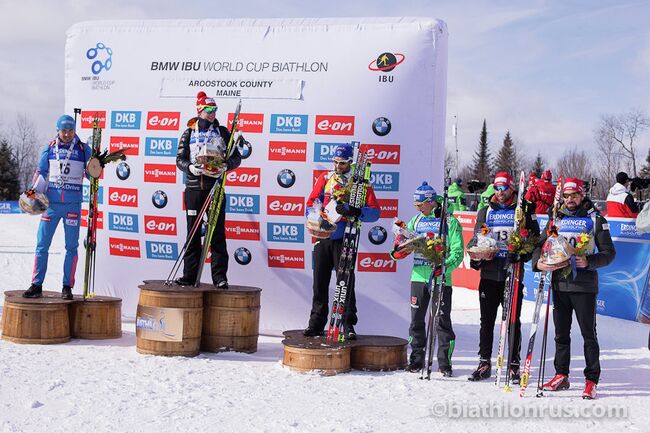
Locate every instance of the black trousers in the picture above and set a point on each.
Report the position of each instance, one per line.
(490, 297)
(194, 200)
(326, 260)
(417, 331)
(584, 305)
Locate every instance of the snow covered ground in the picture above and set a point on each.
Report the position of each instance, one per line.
(98, 386)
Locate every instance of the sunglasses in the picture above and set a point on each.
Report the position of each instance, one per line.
(502, 187)
(208, 108)
(571, 195)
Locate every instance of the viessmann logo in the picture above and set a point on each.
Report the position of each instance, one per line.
(160, 225)
(88, 117)
(294, 259)
(334, 125)
(160, 173)
(382, 153)
(163, 120)
(285, 205)
(131, 145)
(123, 197)
(388, 207)
(124, 247)
(244, 176)
(243, 230)
(288, 151)
(248, 122)
(84, 218)
(375, 262)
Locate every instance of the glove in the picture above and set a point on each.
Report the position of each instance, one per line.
(475, 264)
(40, 184)
(196, 170)
(437, 272)
(348, 211)
(513, 258)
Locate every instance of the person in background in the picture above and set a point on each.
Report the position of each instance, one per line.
(456, 197)
(541, 193)
(620, 203)
(486, 196)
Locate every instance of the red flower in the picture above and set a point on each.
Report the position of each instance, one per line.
(439, 248)
(511, 248)
(524, 232)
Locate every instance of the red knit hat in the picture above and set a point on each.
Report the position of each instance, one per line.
(573, 184)
(547, 175)
(203, 100)
(503, 178)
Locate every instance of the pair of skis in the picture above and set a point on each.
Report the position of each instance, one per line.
(436, 290)
(211, 207)
(348, 258)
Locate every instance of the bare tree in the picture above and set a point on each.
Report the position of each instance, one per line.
(24, 148)
(450, 162)
(610, 161)
(574, 163)
(624, 129)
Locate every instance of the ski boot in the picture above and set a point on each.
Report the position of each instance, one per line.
(350, 333)
(515, 376)
(590, 390)
(445, 371)
(311, 331)
(66, 293)
(483, 371)
(415, 366)
(558, 383)
(34, 291)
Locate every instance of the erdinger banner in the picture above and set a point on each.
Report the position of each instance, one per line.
(306, 86)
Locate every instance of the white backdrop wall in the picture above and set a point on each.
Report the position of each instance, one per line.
(306, 85)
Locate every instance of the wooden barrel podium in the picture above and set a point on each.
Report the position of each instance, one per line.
(231, 319)
(96, 318)
(168, 320)
(378, 353)
(35, 320)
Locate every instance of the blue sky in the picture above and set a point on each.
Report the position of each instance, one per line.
(545, 70)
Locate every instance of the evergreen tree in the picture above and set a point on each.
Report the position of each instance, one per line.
(506, 159)
(481, 163)
(9, 182)
(538, 165)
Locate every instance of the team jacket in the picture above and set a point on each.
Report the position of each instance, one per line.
(456, 198)
(542, 194)
(586, 219)
(189, 147)
(72, 172)
(620, 202)
(326, 184)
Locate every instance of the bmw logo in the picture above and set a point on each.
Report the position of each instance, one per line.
(286, 178)
(245, 148)
(123, 171)
(377, 235)
(381, 126)
(159, 199)
(243, 256)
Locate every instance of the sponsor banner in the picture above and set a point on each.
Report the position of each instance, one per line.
(243, 203)
(324, 152)
(163, 120)
(160, 173)
(284, 232)
(243, 230)
(375, 262)
(244, 176)
(385, 180)
(131, 145)
(88, 118)
(123, 222)
(125, 119)
(7, 207)
(159, 324)
(124, 247)
(162, 250)
(293, 259)
(334, 125)
(248, 122)
(160, 225)
(258, 88)
(84, 219)
(289, 123)
(382, 153)
(388, 207)
(123, 197)
(85, 193)
(285, 205)
(160, 146)
(288, 151)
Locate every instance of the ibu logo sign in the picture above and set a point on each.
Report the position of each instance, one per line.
(243, 203)
(123, 222)
(125, 119)
(285, 205)
(162, 250)
(324, 152)
(289, 123)
(161, 146)
(281, 232)
(385, 181)
(160, 225)
(85, 194)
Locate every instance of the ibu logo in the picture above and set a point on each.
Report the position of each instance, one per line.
(161, 146)
(243, 203)
(85, 193)
(324, 152)
(123, 222)
(125, 119)
(289, 123)
(385, 181)
(280, 232)
(162, 250)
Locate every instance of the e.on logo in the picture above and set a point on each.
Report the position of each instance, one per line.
(294, 259)
(382, 153)
(388, 207)
(334, 125)
(285, 205)
(124, 247)
(84, 218)
(163, 120)
(243, 230)
(248, 122)
(160, 225)
(244, 176)
(375, 262)
(131, 145)
(123, 197)
(88, 117)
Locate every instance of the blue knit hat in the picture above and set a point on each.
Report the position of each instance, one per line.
(65, 122)
(424, 193)
(344, 151)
